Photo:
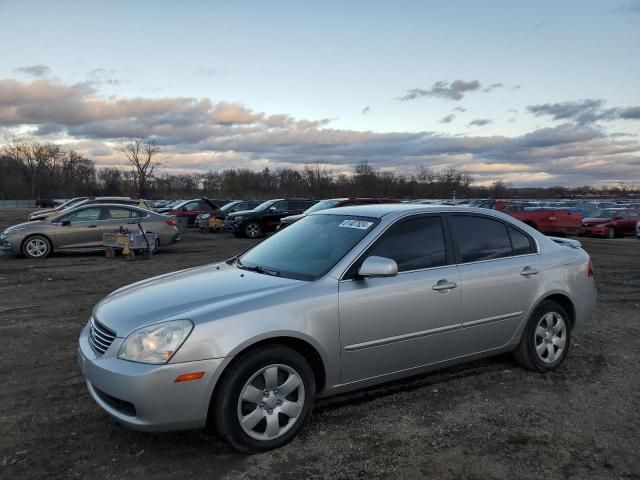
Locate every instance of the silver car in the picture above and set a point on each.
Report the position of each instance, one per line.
(343, 299)
(80, 229)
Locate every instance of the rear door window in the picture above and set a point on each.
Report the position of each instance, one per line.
(480, 238)
(116, 213)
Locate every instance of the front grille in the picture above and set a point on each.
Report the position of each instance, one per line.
(100, 337)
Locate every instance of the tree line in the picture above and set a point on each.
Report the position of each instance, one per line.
(34, 169)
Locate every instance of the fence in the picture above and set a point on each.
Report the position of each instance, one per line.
(17, 203)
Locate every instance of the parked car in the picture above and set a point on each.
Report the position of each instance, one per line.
(81, 229)
(333, 203)
(638, 230)
(265, 218)
(343, 299)
(544, 219)
(48, 211)
(95, 201)
(611, 222)
(204, 219)
(47, 202)
(192, 208)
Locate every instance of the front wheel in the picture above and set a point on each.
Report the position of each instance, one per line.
(546, 338)
(264, 400)
(37, 246)
(252, 230)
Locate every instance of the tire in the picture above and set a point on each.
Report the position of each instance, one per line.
(611, 232)
(36, 246)
(241, 394)
(548, 332)
(252, 230)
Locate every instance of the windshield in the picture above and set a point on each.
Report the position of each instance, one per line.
(602, 214)
(229, 206)
(309, 248)
(265, 205)
(323, 205)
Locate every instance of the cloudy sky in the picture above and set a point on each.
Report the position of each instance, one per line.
(534, 93)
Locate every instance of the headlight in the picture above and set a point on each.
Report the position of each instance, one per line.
(155, 343)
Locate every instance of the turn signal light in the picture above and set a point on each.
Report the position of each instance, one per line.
(172, 222)
(188, 377)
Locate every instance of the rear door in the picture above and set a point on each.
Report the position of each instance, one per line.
(500, 274)
(398, 323)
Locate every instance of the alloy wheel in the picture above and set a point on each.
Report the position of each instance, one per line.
(253, 230)
(271, 402)
(550, 337)
(36, 247)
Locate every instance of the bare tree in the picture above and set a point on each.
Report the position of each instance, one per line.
(141, 155)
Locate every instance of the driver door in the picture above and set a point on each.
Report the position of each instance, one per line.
(397, 323)
(81, 231)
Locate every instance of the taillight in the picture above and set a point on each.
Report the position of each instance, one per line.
(171, 222)
(590, 269)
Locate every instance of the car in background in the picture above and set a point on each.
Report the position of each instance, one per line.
(344, 299)
(41, 212)
(638, 230)
(266, 217)
(95, 201)
(611, 222)
(190, 209)
(334, 203)
(48, 202)
(544, 219)
(80, 229)
(203, 220)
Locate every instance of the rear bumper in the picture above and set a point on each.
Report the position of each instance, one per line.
(146, 397)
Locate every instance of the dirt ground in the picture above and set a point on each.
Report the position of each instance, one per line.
(484, 420)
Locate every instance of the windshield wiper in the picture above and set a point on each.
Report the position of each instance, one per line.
(257, 269)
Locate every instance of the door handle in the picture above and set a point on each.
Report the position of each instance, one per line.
(444, 285)
(526, 271)
(93, 226)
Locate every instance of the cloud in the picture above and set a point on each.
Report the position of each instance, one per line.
(584, 111)
(448, 119)
(443, 89)
(104, 76)
(35, 71)
(199, 134)
(479, 122)
(366, 110)
(459, 109)
(493, 86)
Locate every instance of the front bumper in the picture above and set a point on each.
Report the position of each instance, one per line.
(595, 230)
(232, 226)
(146, 397)
(6, 246)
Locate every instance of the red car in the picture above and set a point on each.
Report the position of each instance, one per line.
(545, 220)
(192, 208)
(611, 222)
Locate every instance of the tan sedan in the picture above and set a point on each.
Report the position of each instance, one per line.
(80, 229)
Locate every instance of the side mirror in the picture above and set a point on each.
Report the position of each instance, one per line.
(66, 222)
(378, 267)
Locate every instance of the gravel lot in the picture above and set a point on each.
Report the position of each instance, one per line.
(484, 420)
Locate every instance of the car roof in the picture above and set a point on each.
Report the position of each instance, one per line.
(379, 210)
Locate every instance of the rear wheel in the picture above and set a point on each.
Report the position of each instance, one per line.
(265, 399)
(36, 246)
(546, 338)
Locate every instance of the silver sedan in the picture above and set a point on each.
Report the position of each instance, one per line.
(343, 299)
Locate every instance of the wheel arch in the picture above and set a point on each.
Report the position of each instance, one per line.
(309, 352)
(565, 302)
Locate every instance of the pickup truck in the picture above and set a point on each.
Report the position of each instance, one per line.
(544, 219)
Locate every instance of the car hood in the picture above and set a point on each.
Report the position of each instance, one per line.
(596, 221)
(20, 226)
(184, 294)
(292, 218)
(241, 212)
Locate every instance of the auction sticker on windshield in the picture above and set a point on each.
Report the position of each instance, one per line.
(359, 224)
